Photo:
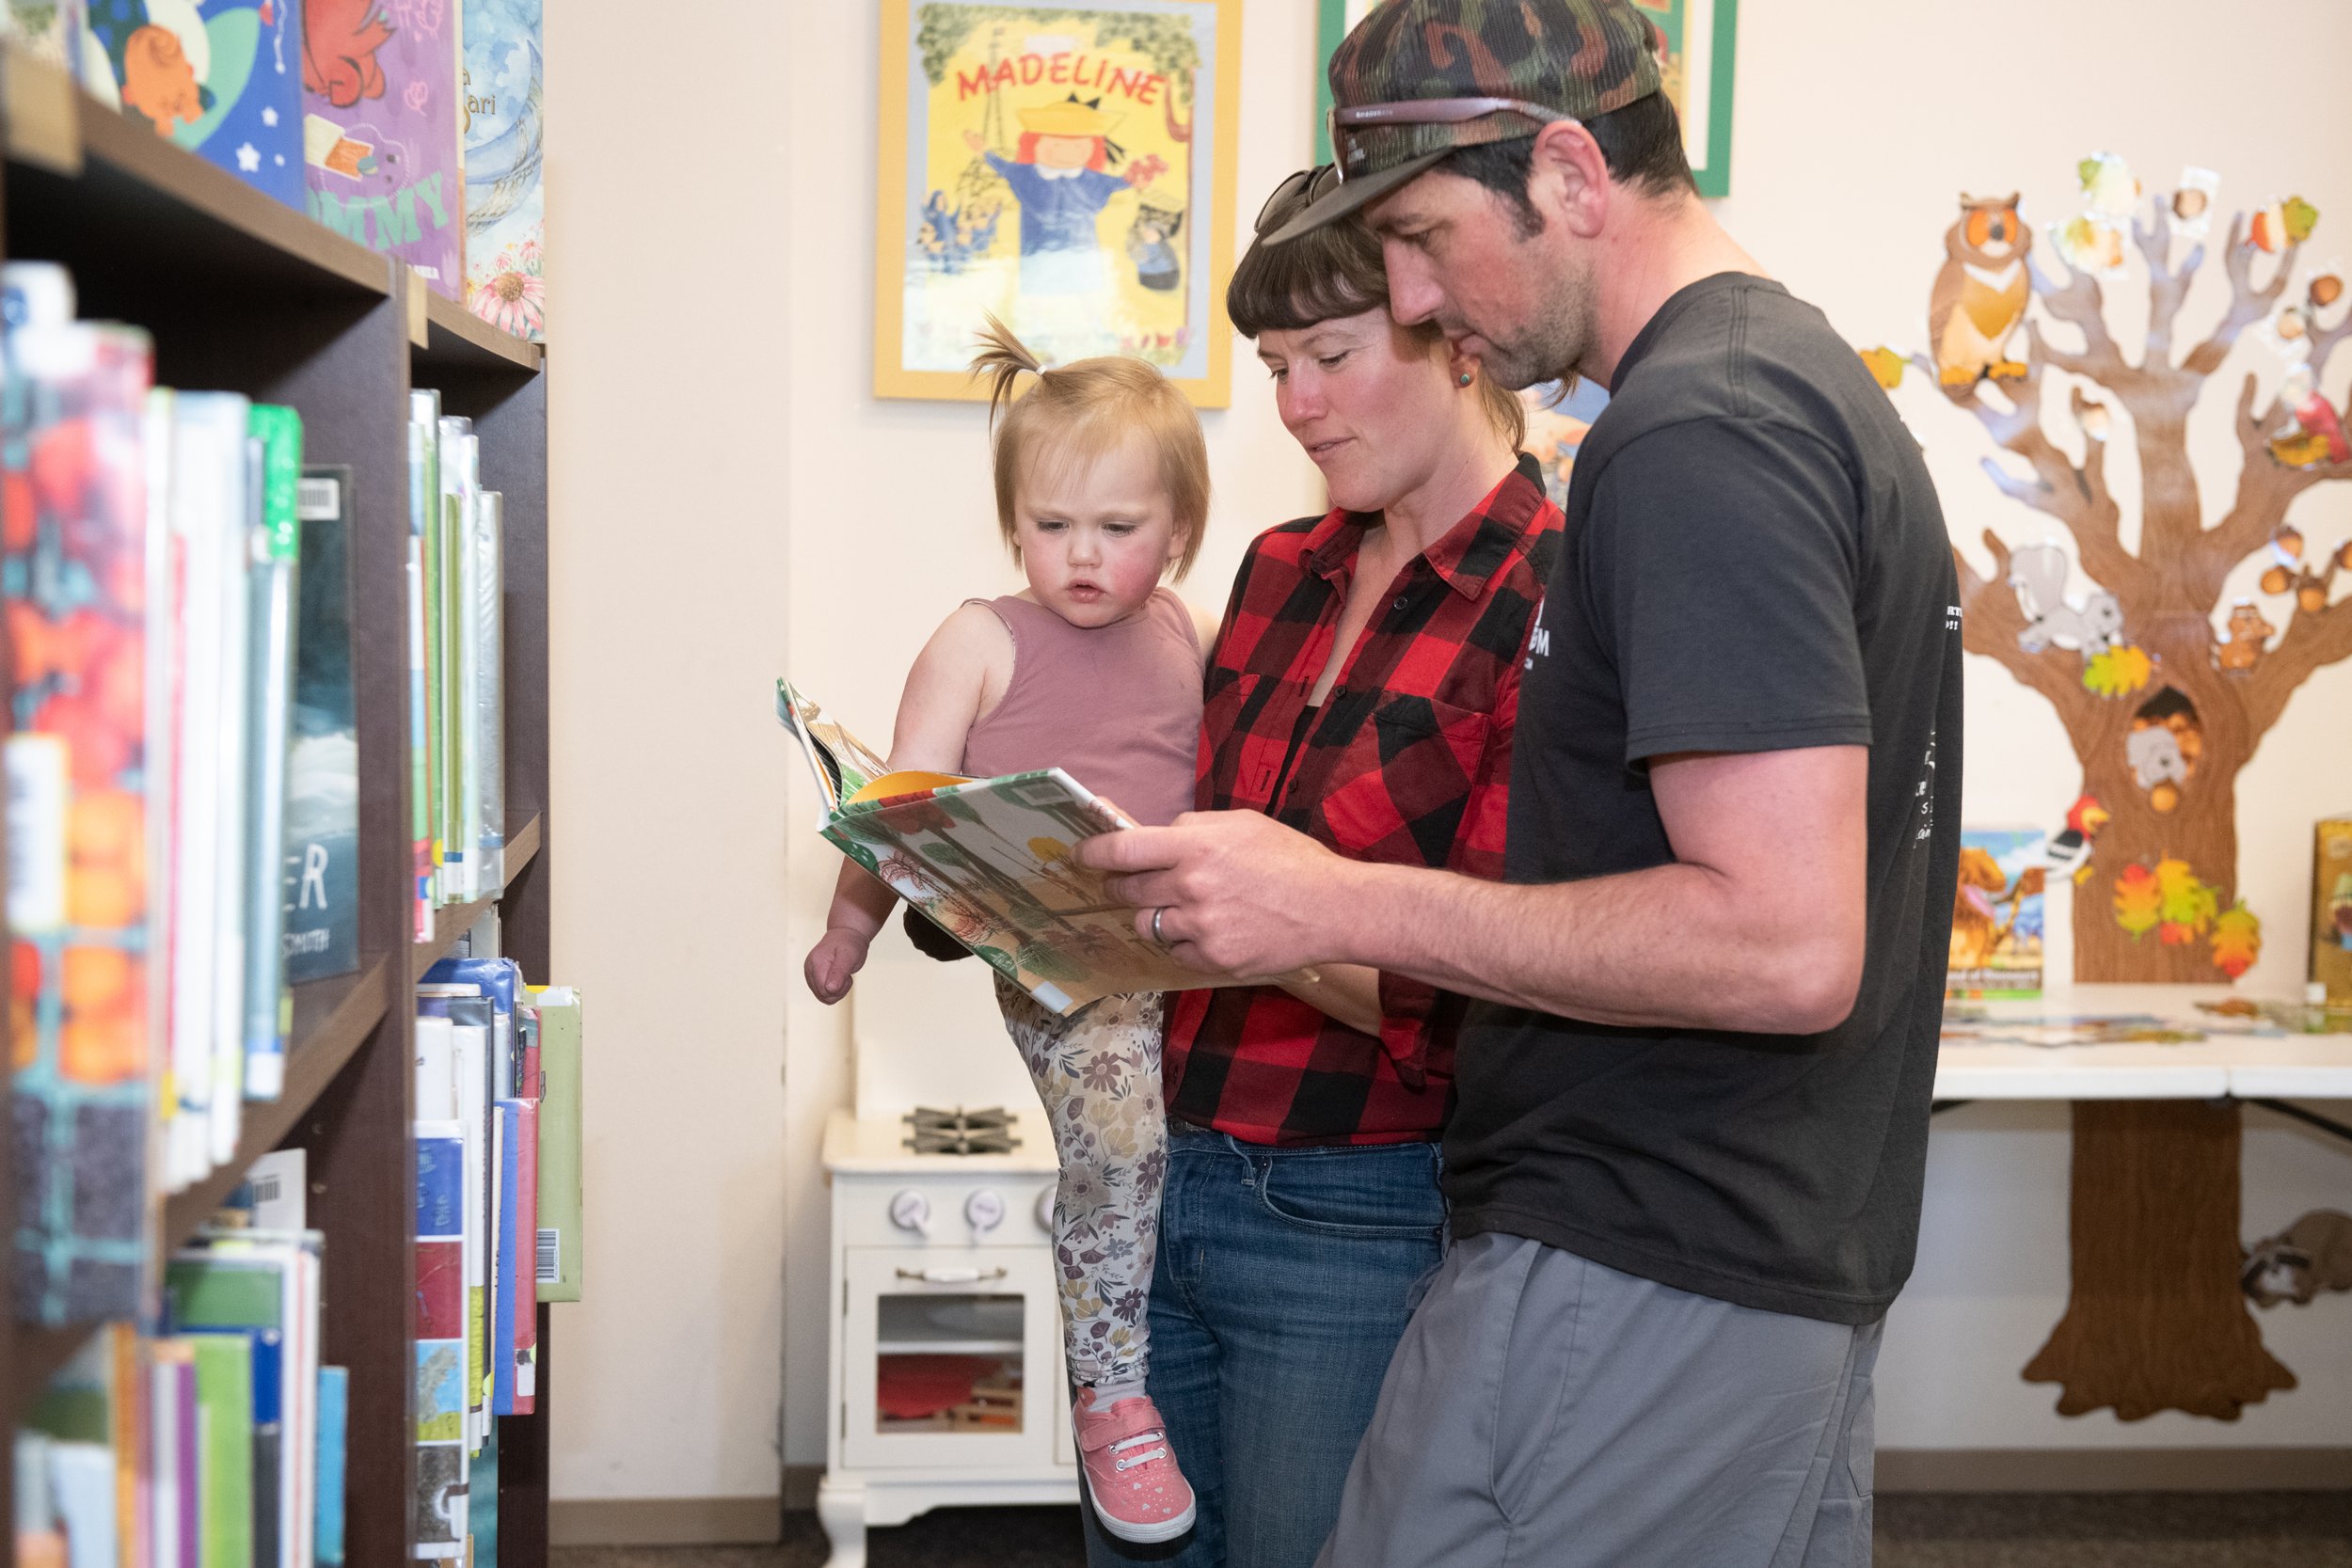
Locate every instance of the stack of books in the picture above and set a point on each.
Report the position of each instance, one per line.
(416, 131)
(216, 1440)
(151, 562)
(456, 644)
(498, 1213)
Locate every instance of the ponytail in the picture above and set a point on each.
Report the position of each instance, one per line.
(1002, 358)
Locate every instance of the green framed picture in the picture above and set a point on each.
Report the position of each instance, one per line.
(1702, 39)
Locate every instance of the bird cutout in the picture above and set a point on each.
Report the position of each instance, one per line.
(1886, 366)
(2314, 1254)
(2038, 575)
(2326, 287)
(2317, 433)
(2191, 207)
(2094, 418)
(2245, 640)
(2070, 847)
(1980, 295)
(2110, 190)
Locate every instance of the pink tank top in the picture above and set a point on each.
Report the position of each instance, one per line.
(1116, 707)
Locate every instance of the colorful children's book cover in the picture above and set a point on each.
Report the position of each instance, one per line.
(380, 123)
(224, 81)
(1996, 914)
(988, 860)
(2331, 909)
(321, 868)
(505, 202)
(73, 569)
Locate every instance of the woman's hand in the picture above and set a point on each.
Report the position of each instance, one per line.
(838, 956)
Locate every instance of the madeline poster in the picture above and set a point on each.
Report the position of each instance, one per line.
(1066, 168)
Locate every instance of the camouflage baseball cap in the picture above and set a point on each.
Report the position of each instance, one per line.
(1415, 73)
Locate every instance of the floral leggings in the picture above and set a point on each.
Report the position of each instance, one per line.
(1098, 1075)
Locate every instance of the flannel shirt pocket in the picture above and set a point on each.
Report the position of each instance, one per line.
(1396, 791)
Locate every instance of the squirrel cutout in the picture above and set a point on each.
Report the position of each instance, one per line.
(2314, 1254)
(2038, 574)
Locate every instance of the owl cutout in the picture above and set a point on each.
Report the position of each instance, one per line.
(1980, 295)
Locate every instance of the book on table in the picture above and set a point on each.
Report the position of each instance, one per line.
(990, 861)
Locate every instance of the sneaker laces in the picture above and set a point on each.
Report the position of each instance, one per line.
(1129, 1461)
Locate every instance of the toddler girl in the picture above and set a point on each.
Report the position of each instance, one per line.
(1102, 489)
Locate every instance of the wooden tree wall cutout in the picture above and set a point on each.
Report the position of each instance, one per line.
(2156, 900)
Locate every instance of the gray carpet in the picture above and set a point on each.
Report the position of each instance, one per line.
(2263, 1529)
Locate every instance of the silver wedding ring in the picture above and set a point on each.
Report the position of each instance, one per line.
(1155, 925)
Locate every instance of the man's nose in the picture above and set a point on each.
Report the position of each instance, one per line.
(1413, 295)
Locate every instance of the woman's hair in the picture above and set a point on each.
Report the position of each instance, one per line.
(1331, 271)
(1077, 412)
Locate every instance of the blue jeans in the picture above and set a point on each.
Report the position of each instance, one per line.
(1286, 1278)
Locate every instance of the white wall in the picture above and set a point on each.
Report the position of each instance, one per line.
(731, 502)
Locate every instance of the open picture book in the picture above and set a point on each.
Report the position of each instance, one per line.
(988, 861)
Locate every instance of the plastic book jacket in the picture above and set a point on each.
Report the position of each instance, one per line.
(505, 202)
(321, 873)
(1996, 914)
(379, 130)
(224, 82)
(73, 562)
(988, 861)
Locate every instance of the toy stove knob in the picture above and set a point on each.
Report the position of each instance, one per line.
(910, 1210)
(1045, 1209)
(985, 1209)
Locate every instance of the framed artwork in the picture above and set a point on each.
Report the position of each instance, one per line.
(1696, 70)
(1069, 168)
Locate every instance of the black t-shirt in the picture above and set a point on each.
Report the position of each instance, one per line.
(1754, 561)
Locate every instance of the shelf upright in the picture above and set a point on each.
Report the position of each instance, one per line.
(247, 295)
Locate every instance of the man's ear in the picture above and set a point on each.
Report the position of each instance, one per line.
(1568, 178)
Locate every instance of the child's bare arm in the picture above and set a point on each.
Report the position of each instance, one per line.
(960, 673)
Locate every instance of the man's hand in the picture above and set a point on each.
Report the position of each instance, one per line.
(1236, 893)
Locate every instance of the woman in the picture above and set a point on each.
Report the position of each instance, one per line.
(1363, 690)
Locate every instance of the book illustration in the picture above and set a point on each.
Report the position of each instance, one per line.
(1996, 914)
(438, 1524)
(990, 861)
(49, 30)
(223, 83)
(72, 405)
(505, 202)
(380, 147)
(321, 892)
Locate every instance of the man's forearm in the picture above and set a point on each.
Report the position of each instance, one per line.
(1673, 946)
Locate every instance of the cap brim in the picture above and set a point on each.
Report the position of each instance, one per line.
(1351, 196)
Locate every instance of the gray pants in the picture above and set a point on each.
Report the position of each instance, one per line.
(1545, 1410)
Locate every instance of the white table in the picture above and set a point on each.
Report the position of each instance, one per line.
(2257, 1066)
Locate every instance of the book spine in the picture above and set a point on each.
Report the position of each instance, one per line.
(438, 1510)
(334, 1402)
(271, 575)
(489, 641)
(233, 766)
(523, 1291)
(562, 1262)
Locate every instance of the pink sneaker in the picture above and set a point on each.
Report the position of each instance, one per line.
(1138, 1492)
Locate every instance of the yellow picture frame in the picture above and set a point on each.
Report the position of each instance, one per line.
(984, 99)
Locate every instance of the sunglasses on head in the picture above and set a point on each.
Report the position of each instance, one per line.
(1321, 180)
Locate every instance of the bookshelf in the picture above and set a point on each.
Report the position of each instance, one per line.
(244, 294)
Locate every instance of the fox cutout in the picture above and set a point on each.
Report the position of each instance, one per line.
(339, 38)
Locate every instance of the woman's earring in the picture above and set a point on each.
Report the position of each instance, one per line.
(1465, 378)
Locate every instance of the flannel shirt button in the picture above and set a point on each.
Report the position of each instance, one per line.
(1400, 600)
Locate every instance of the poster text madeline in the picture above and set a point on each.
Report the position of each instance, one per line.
(1074, 70)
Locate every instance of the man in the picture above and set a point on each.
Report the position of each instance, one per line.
(1685, 1168)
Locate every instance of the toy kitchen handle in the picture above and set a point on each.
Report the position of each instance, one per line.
(952, 1277)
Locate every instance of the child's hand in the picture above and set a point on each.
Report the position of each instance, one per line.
(836, 957)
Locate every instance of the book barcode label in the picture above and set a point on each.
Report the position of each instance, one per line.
(264, 1189)
(550, 1256)
(318, 499)
(39, 794)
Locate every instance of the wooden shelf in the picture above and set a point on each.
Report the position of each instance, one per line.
(332, 1016)
(458, 343)
(85, 175)
(452, 921)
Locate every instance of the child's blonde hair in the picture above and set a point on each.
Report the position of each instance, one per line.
(1082, 410)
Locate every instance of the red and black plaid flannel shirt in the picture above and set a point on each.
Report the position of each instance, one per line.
(1408, 761)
